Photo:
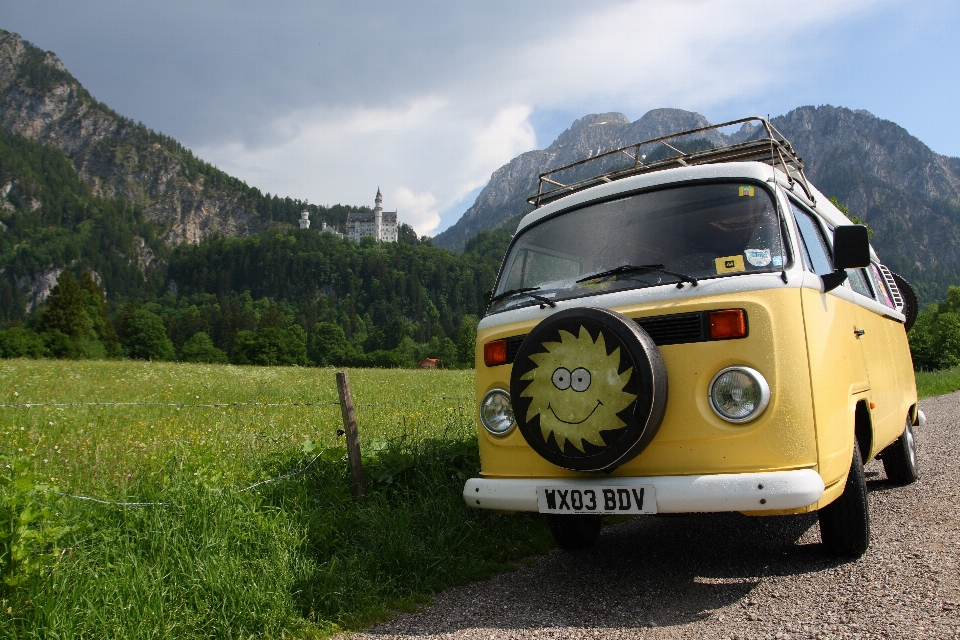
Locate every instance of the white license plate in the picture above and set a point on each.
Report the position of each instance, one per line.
(605, 499)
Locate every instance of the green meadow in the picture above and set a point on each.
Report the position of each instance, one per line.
(298, 557)
(206, 556)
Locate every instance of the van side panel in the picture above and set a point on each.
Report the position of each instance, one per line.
(887, 355)
(692, 438)
(838, 377)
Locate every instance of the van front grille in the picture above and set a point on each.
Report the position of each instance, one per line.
(677, 328)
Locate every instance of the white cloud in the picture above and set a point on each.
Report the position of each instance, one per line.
(425, 155)
(450, 132)
(419, 210)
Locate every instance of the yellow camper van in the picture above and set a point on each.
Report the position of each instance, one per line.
(679, 327)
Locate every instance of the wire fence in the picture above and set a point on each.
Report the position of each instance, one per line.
(412, 403)
(32, 405)
(164, 504)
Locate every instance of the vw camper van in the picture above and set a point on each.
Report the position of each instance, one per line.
(679, 327)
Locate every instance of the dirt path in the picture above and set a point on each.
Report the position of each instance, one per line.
(730, 576)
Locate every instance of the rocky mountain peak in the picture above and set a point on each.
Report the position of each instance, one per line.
(907, 193)
(40, 100)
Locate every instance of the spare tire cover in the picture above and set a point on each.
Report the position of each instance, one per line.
(589, 389)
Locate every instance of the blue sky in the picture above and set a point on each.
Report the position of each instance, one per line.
(329, 100)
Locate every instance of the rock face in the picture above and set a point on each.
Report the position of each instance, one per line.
(40, 100)
(906, 193)
(505, 196)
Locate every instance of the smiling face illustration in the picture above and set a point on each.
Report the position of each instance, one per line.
(576, 389)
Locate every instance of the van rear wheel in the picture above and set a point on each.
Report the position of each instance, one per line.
(900, 458)
(574, 532)
(845, 522)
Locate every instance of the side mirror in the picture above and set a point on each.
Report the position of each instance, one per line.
(851, 247)
(851, 250)
(486, 299)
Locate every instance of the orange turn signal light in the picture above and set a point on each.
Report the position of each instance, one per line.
(495, 352)
(726, 324)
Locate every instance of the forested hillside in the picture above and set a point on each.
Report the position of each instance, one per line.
(90, 276)
(187, 198)
(49, 219)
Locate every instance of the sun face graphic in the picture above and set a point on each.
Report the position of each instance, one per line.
(576, 389)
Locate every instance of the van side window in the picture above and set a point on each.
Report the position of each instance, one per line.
(858, 282)
(815, 250)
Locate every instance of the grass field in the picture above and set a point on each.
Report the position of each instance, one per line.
(937, 383)
(293, 558)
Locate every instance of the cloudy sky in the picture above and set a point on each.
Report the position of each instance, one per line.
(326, 101)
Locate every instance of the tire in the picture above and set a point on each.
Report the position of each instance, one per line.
(900, 458)
(845, 522)
(589, 389)
(574, 532)
(911, 305)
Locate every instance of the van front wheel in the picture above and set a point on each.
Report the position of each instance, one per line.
(845, 522)
(574, 532)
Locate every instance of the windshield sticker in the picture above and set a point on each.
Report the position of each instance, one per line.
(746, 191)
(778, 261)
(758, 257)
(730, 264)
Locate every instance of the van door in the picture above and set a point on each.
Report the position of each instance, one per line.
(883, 353)
(838, 371)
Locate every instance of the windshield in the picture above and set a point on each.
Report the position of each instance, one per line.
(673, 235)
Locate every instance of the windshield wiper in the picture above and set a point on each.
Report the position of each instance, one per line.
(525, 291)
(640, 268)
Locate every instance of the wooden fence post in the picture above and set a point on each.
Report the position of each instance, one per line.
(350, 427)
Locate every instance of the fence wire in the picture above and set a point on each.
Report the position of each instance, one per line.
(33, 405)
(413, 403)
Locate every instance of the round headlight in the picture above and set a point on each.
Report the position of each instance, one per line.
(496, 412)
(739, 394)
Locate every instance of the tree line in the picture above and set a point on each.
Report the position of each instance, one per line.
(286, 296)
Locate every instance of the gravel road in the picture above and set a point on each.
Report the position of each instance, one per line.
(731, 576)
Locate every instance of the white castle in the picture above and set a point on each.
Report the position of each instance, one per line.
(305, 224)
(380, 225)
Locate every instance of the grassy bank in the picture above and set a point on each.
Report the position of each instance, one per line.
(293, 558)
(937, 383)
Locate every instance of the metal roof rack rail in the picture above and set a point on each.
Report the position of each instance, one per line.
(772, 149)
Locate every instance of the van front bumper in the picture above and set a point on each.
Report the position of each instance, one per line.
(763, 491)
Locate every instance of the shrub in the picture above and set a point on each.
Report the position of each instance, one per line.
(143, 335)
(199, 348)
(18, 342)
(271, 347)
(30, 526)
(328, 344)
(935, 337)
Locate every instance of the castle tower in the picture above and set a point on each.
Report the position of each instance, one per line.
(304, 219)
(378, 216)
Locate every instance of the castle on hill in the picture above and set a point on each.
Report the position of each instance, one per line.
(380, 225)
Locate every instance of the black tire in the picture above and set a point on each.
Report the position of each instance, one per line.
(900, 458)
(574, 532)
(911, 305)
(624, 392)
(845, 522)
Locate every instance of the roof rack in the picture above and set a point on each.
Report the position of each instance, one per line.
(772, 149)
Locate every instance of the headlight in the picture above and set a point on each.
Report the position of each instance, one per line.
(496, 412)
(739, 394)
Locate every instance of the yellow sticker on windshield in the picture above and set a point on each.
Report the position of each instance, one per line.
(730, 264)
(746, 191)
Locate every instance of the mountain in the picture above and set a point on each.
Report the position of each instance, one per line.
(505, 196)
(115, 156)
(908, 194)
